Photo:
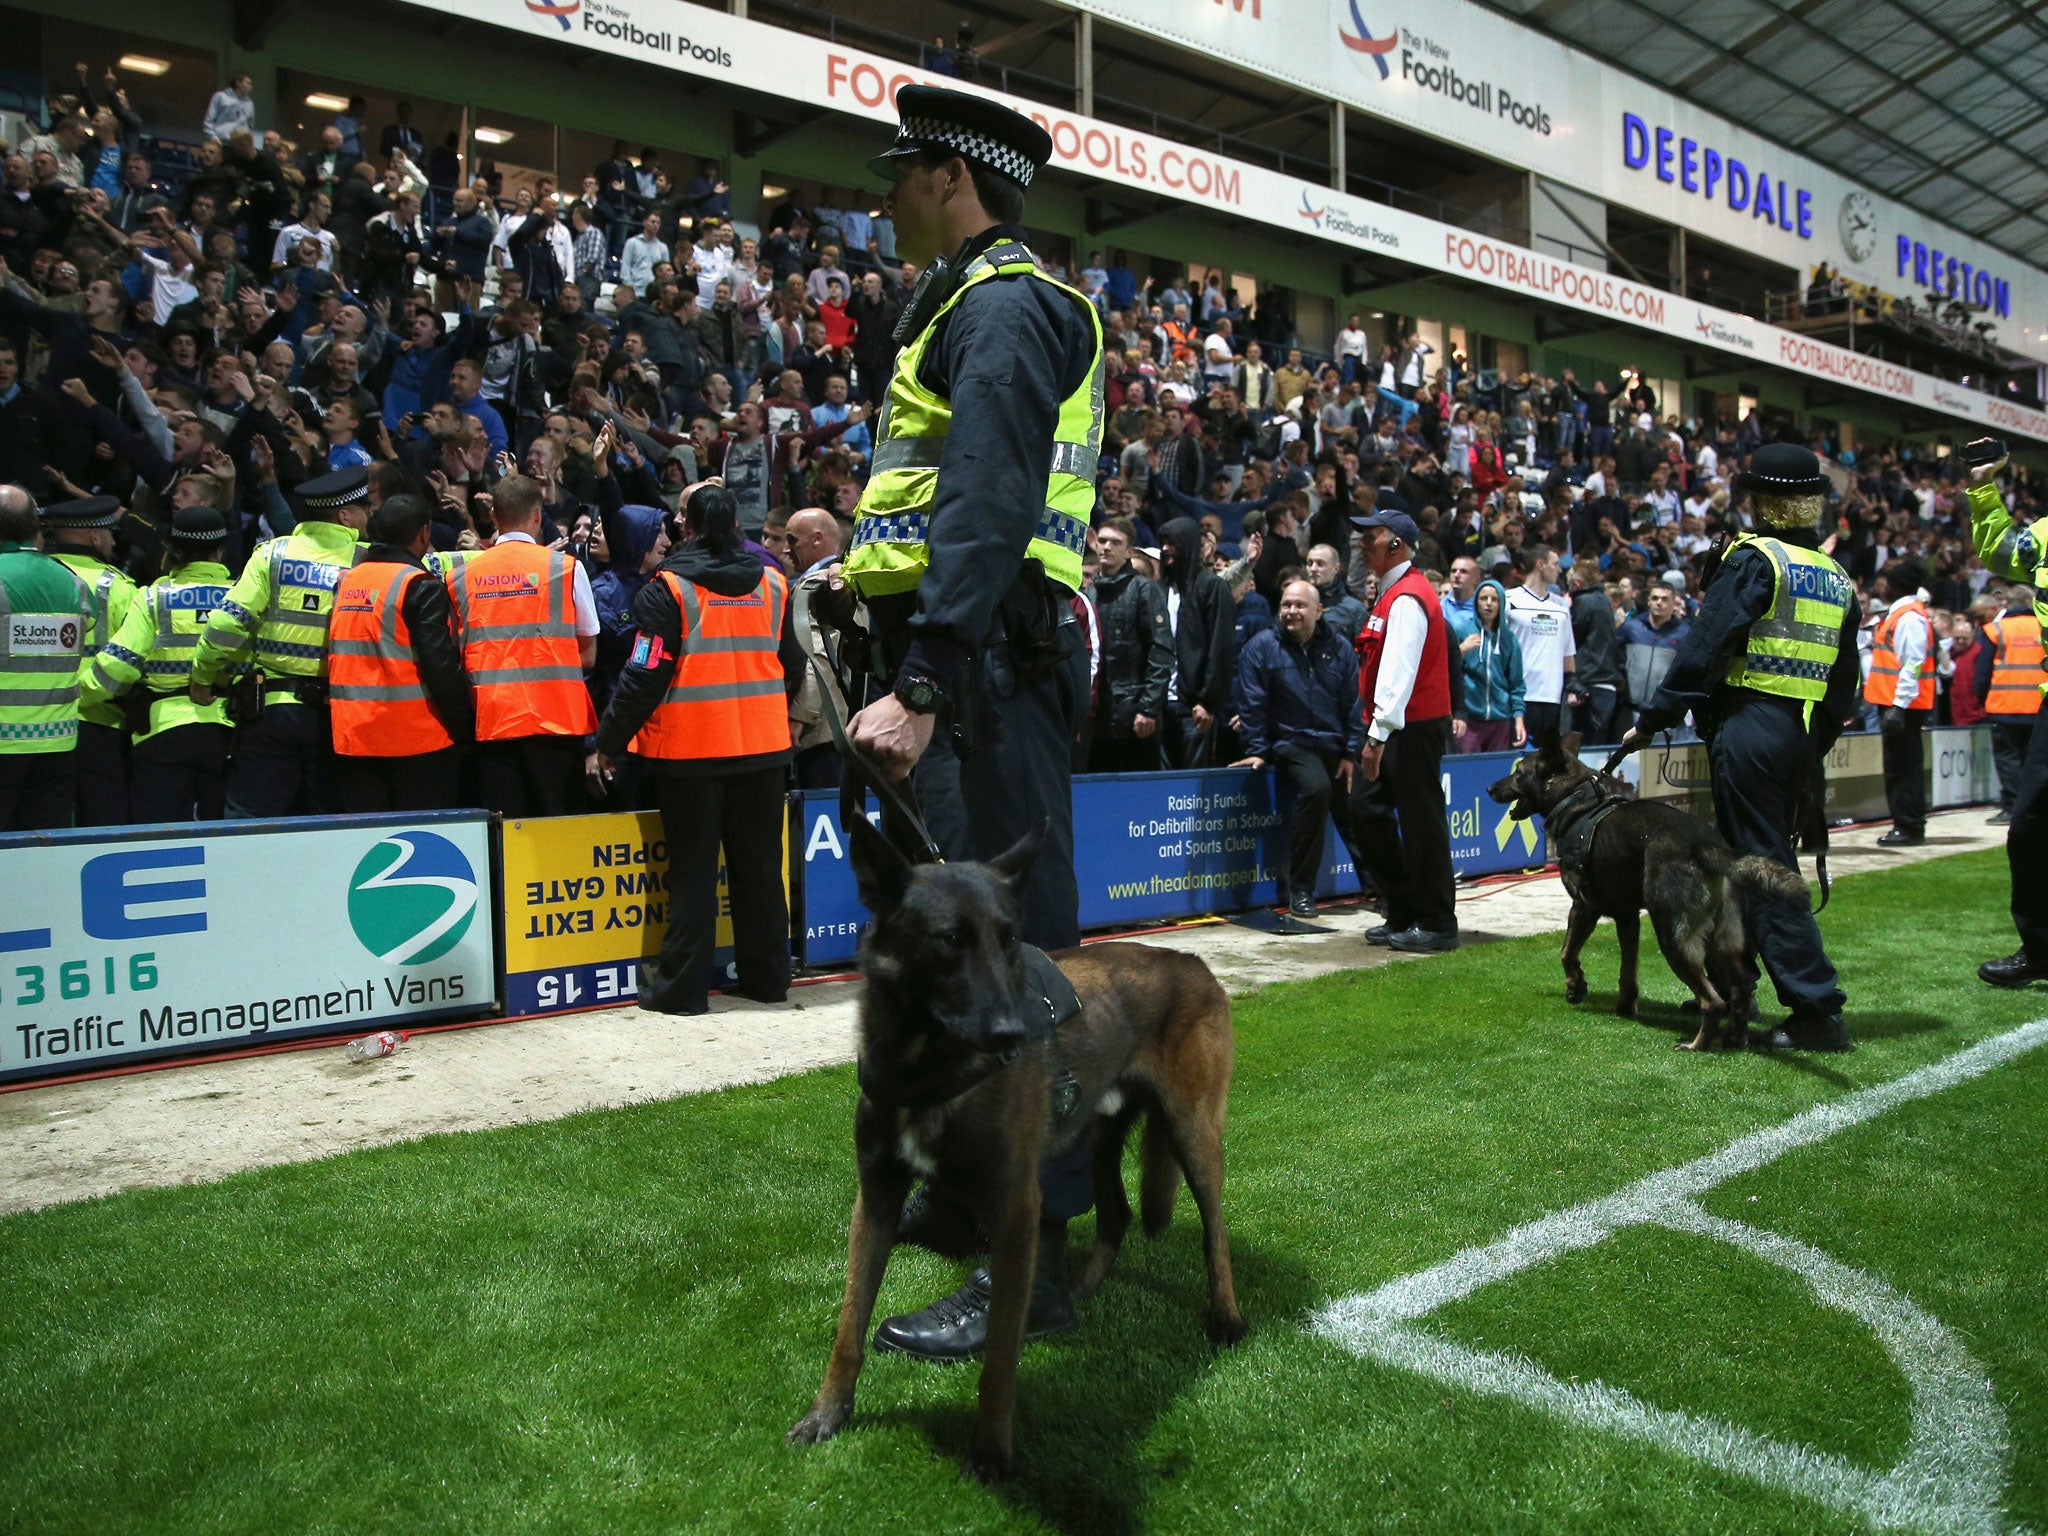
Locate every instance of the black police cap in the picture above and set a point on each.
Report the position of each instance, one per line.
(331, 492)
(984, 131)
(1782, 469)
(200, 523)
(85, 512)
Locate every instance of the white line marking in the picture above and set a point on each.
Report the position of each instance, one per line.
(1952, 1474)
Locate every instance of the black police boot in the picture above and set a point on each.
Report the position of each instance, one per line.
(2015, 970)
(1897, 839)
(1303, 904)
(1422, 941)
(1379, 934)
(1810, 1032)
(946, 1227)
(955, 1327)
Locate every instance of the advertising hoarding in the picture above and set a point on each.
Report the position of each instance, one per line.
(127, 944)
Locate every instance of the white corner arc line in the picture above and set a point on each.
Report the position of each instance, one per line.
(1952, 1474)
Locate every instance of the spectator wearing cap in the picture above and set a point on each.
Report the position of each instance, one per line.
(79, 535)
(399, 699)
(1398, 819)
(179, 759)
(49, 618)
(281, 607)
(1298, 713)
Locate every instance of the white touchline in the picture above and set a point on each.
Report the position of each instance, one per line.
(1952, 1474)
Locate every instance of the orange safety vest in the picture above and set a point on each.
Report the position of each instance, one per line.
(2016, 680)
(375, 699)
(1882, 686)
(726, 697)
(515, 613)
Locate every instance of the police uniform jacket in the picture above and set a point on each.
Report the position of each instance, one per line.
(1009, 352)
(1740, 593)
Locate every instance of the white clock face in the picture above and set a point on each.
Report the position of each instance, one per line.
(1858, 224)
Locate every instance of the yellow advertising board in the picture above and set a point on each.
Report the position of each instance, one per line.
(586, 899)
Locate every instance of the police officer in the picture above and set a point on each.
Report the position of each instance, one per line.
(1770, 672)
(43, 622)
(967, 548)
(179, 760)
(79, 535)
(398, 699)
(284, 758)
(703, 701)
(2017, 554)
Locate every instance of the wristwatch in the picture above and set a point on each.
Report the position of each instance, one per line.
(920, 695)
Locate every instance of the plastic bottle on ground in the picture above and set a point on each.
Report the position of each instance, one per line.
(370, 1047)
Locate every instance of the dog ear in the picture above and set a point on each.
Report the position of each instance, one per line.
(1014, 863)
(1547, 746)
(881, 874)
(1570, 745)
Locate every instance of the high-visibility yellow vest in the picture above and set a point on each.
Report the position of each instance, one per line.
(1792, 648)
(43, 623)
(155, 646)
(891, 525)
(111, 593)
(282, 603)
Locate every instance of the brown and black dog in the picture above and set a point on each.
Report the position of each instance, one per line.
(956, 1082)
(1634, 855)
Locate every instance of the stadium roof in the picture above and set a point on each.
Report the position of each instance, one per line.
(1942, 104)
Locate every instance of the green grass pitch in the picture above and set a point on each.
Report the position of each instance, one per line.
(606, 1323)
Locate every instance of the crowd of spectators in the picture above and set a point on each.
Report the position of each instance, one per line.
(279, 314)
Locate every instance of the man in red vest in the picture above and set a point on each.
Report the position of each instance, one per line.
(1398, 818)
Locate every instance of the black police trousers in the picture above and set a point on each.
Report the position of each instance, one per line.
(37, 790)
(700, 812)
(102, 769)
(2026, 848)
(284, 762)
(1760, 757)
(1019, 773)
(1402, 833)
(181, 774)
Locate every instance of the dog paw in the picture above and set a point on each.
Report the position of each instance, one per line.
(1625, 1006)
(1225, 1328)
(1575, 989)
(989, 1461)
(819, 1424)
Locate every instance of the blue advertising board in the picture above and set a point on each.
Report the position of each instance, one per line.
(1151, 847)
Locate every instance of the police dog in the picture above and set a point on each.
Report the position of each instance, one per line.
(956, 1082)
(1644, 854)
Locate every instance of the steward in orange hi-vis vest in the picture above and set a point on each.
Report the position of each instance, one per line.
(398, 699)
(515, 609)
(703, 702)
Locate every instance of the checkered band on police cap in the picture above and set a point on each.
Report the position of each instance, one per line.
(997, 156)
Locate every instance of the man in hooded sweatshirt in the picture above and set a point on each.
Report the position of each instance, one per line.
(1489, 719)
(1137, 656)
(703, 702)
(1203, 619)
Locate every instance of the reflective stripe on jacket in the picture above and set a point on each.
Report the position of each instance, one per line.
(2016, 681)
(1882, 686)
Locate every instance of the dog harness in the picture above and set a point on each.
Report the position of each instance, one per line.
(1575, 821)
(1044, 980)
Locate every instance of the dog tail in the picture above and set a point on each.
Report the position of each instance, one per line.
(1767, 880)
(1158, 1175)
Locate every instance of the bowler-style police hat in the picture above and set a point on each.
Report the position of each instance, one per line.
(973, 127)
(200, 523)
(1782, 469)
(332, 492)
(85, 512)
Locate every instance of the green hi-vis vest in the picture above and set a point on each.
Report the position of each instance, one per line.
(892, 523)
(1792, 649)
(111, 593)
(43, 624)
(282, 602)
(155, 647)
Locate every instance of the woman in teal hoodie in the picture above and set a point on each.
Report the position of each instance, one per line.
(1491, 720)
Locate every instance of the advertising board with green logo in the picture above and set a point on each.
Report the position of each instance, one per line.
(145, 942)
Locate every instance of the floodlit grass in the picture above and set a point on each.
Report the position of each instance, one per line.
(605, 1323)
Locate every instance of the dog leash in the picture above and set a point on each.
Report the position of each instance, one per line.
(862, 771)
